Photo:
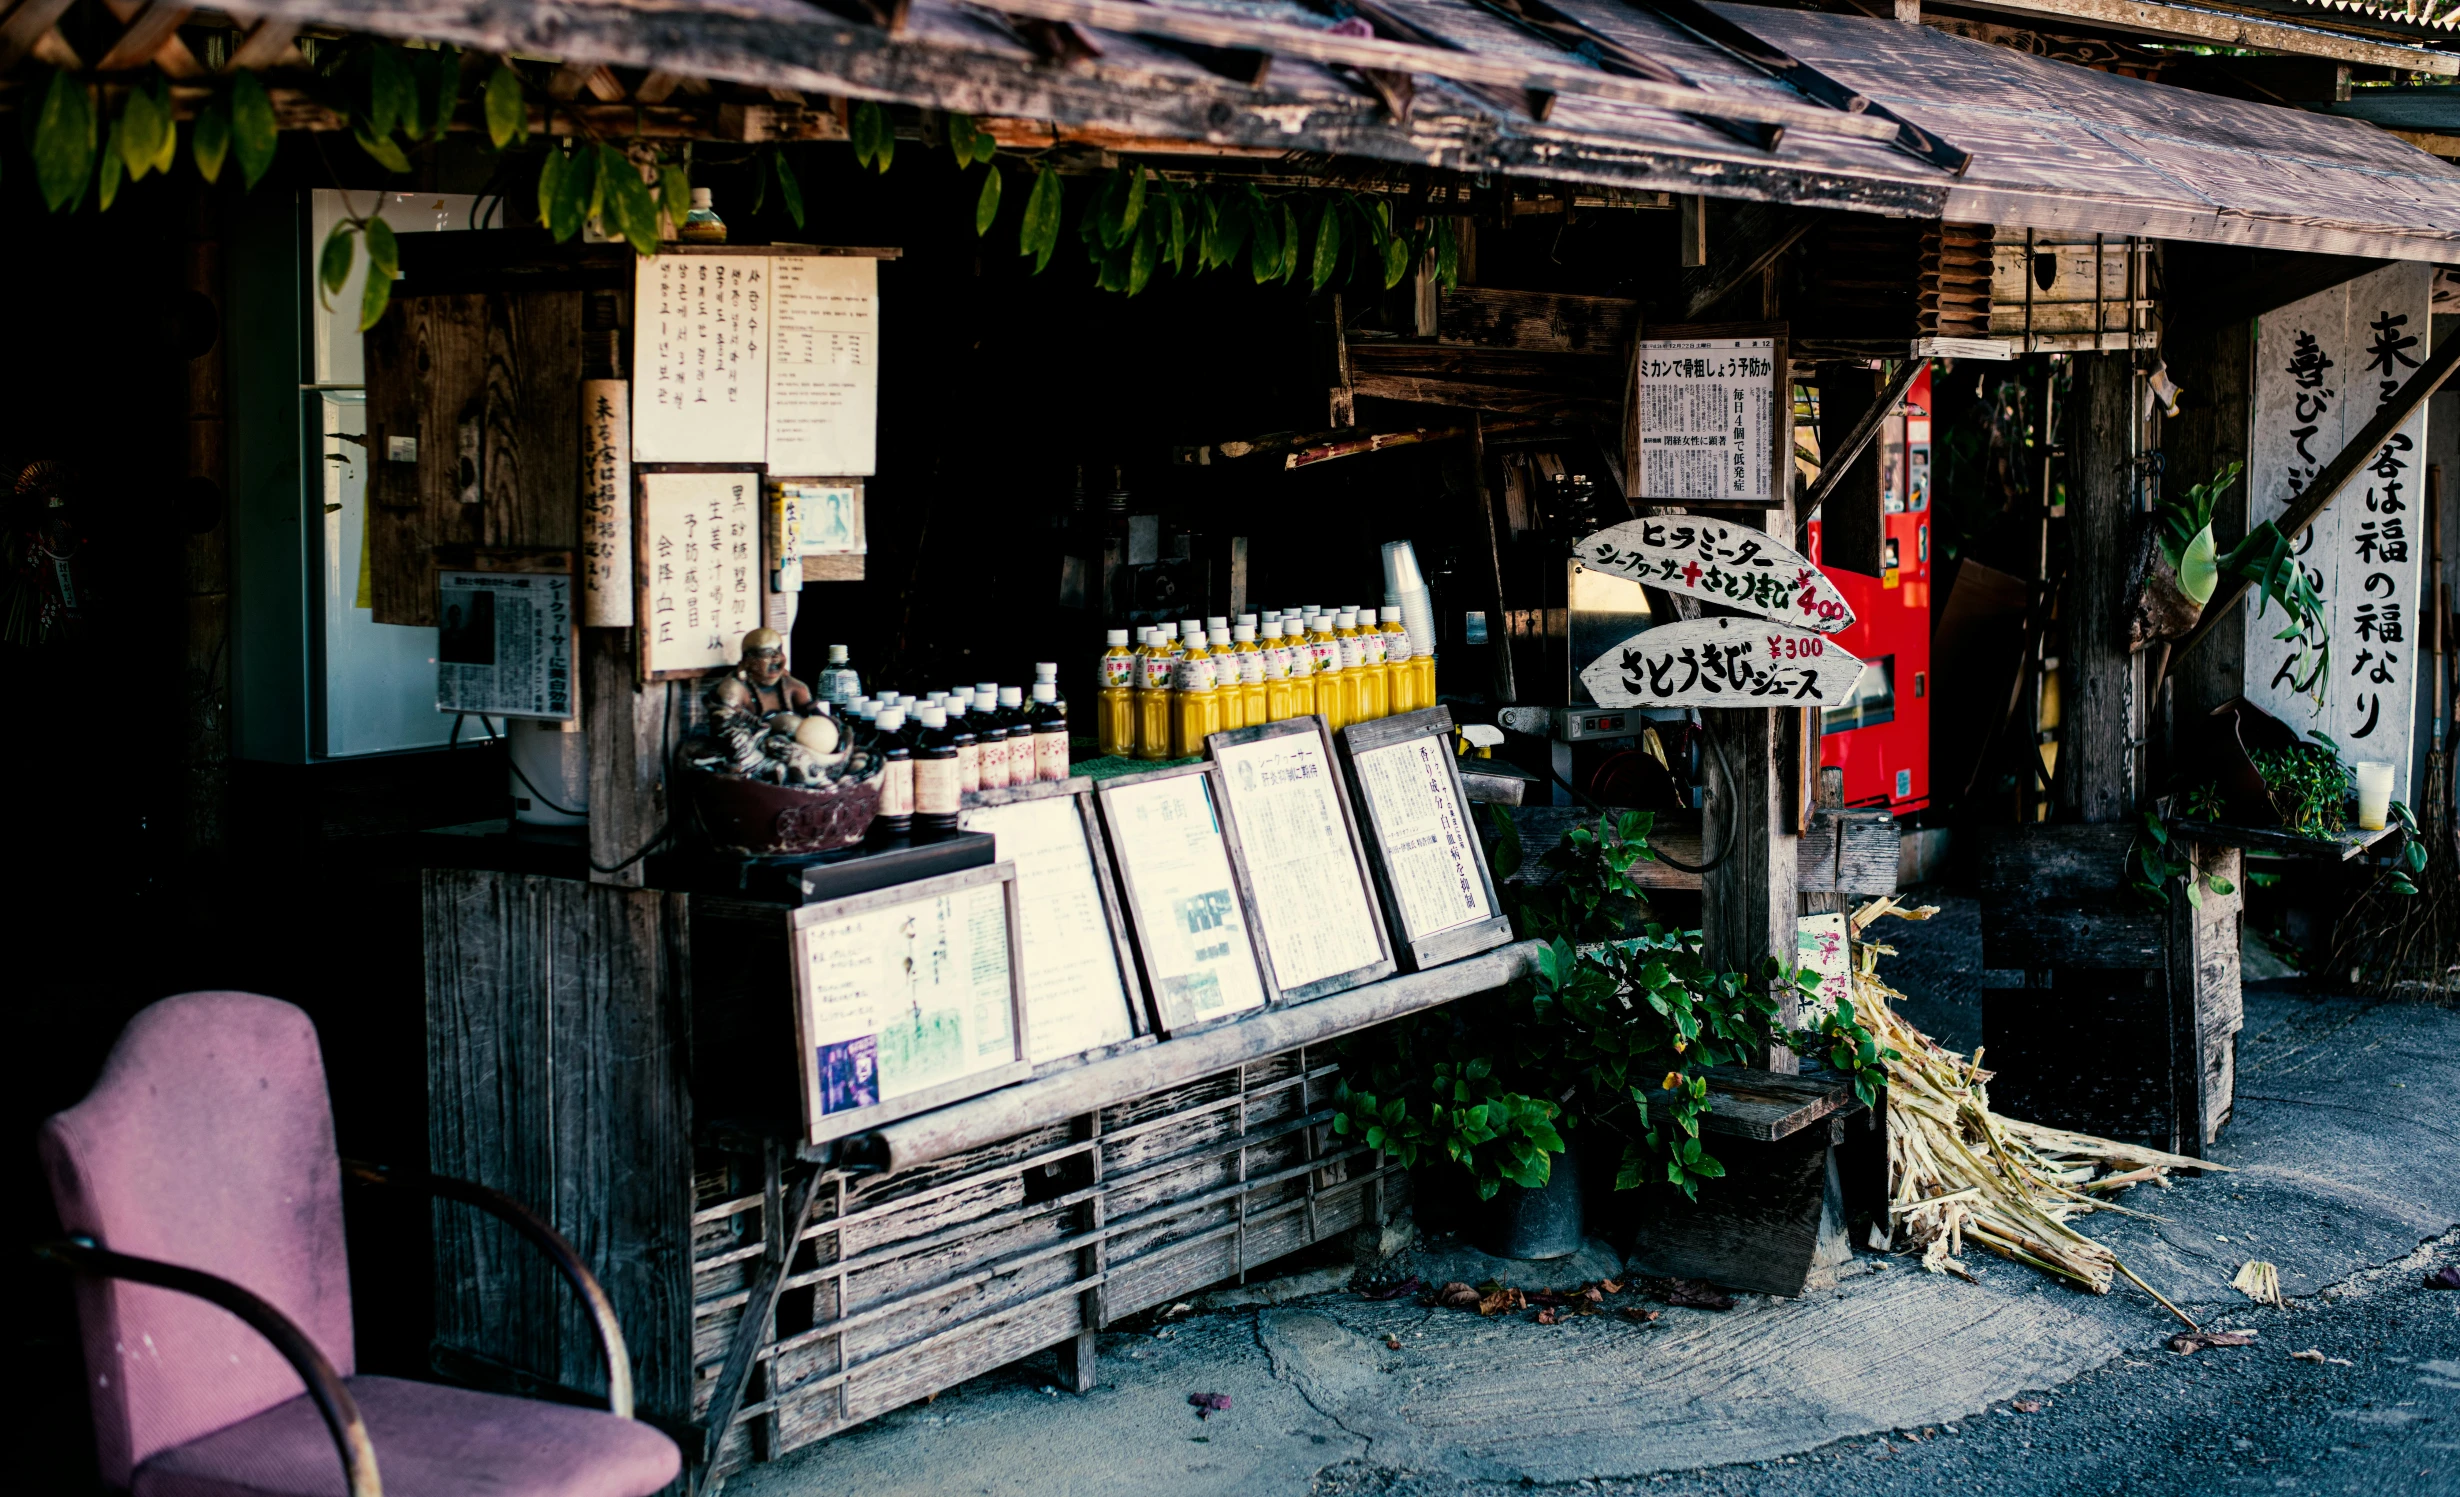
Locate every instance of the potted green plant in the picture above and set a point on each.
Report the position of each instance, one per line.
(1607, 1044)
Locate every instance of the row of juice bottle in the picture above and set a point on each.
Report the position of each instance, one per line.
(949, 743)
(1159, 700)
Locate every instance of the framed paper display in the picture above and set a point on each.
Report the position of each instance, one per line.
(1080, 971)
(907, 998)
(1429, 864)
(1282, 785)
(1189, 910)
(504, 639)
(1709, 416)
(697, 573)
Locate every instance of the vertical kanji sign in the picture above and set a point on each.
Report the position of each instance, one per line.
(2324, 367)
(606, 503)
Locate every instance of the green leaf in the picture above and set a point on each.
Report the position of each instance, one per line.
(255, 135)
(142, 126)
(986, 207)
(383, 250)
(576, 187)
(210, 140)
(107, 188)
(551, 169)
(674, 192)
(392, 93)
(333, 265)
(379, 290)
(443, 89)
(1038, 236)
(2199, 568)
(508, 110)
(1396, 261)
(1264, 257)
(790, 191)
(1327, 256)
(627, 197)
(1289, 242)
(875, 139)
(385, 149)
(1707, 1167)
(2220, 885)
(63, 140)
(1132, 209)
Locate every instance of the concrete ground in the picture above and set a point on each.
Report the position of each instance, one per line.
(2347, 1176)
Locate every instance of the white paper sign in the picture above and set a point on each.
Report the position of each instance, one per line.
(1310, 894)
(2324, 367)
(1738, 566)
(900, 999)
(1722, 662)
(700, 358)
(1707, 412)
(1075, 999)
(606, 503)
(1197, 947)
(1431, 854)
(824, 364)
(701, 588)
(504, 644)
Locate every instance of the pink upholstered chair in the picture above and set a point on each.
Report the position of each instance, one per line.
(198, 1182)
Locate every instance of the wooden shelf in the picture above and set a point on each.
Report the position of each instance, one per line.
(2332, 847)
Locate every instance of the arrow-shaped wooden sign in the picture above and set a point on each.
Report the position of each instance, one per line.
(1717, 562)
(1722, 662)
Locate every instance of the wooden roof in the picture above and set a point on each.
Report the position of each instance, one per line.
(2051, 145)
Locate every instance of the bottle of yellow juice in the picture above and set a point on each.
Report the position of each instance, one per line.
(1153, 698)
(1401, 675)
(1114, 717)
(1251, 676)
(1193, 706)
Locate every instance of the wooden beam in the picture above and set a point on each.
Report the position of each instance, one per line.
(1376, 54)
(2336, 474)
(2232, 29)
(27, 25)
(1715, 29)
(2100, 719)
(1833, 465)
(1751, 242)
(756, 1328)
(1562, 29)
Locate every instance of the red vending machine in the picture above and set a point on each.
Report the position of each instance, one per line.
(1880, 737)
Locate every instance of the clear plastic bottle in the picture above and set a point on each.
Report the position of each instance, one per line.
(1114, 711)
(701, 225)
(1400, 676)
(896, 816)
(1374, 676)
(990, 739)
(1302, 664)
(1276, 655)
(838, 682)
(1048, 719)
(937, 792)
(1229, 706)
(1332, 686)
(1251, 676)
(1194, 709)
(1153, 698)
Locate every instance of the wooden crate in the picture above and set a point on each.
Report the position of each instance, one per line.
(906, 1284)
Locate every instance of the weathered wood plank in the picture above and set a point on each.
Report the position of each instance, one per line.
(532, 478)
(1537, 321)
(1744, 1102)
(2101, 720)
(426, 371)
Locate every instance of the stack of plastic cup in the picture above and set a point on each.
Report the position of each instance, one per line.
(1405, 589)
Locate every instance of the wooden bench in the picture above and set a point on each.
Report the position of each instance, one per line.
(1776, 1224)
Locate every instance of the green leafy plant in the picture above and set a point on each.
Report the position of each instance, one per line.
(2412, 856)
(1615, 1031)
(2157, 863)
(2203, 802)
(2307, 784)
(2184, 525)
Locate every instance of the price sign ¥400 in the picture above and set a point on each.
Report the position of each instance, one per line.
(1734, 565)
(1723, 662)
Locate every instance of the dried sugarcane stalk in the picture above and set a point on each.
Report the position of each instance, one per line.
(1958, 1172)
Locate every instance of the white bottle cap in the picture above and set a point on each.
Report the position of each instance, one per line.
(1191, 629)
(837, 653)
(958, 703)
(1114, 636)
(1216, 621)
(890, 699)
(700, 198)
(1347, 618)
(1391, 615)
(935, 698)
(890, 719)
(986, 698)
(1272, 615)
(1046, 691)
(1272, 628)
(1244, 634)
(862, 707)
(1218, 637)
(934, 717)
(1046, 670)
(1248, 619)
(1012, 696)
(987, 689)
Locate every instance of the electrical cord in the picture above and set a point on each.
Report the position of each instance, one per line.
(530, 785)
(1660, 854)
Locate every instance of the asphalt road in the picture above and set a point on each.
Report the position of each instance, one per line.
(2227, 1419)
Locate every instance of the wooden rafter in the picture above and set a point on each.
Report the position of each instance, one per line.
(1561, 29)
(27, 26)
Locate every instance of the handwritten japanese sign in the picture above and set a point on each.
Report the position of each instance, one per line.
(606, 503)
(504, 644)
(1735, 565)
(824, 364)
(1722, 662)
(1820, 944)
(2324, 367)
(1706, 417)
(700, 358)
(697, 569)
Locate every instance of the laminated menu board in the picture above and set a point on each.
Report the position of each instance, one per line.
(1710, 417)
(504, 641)
(1080, 973)
(1429, 864)
(1188, 909)
(697, 579)
(1322, 932)
(907, 998)
(769, 355)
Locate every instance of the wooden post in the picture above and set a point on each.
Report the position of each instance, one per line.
(2209, 433)
(1694, 215)
(205, 560)
(1853, 518)
(628, 732)
(2102, 714)
(1748, 901)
